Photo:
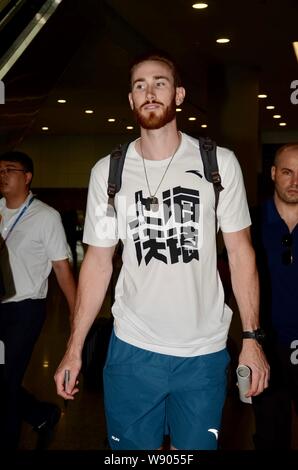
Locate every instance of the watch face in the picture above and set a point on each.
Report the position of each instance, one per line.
(260, 334)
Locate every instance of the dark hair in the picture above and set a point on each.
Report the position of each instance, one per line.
(18, 157)
(159, 56)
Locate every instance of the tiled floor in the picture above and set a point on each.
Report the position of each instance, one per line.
(82, 424)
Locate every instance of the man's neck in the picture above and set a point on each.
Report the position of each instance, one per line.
(159, 144)
(288, 212)
(13, 202)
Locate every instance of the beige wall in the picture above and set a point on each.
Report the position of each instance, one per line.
(66, 161)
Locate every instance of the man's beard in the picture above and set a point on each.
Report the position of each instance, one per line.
(154, 121)
(285, 197)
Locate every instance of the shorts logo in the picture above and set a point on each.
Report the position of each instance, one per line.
(214, 431)
(115, 438)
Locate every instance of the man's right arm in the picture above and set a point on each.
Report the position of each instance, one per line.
(95, 275)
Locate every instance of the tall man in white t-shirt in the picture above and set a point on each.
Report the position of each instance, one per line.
(167, 360)
(32, 243)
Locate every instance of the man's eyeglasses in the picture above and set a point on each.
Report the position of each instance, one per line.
(287, 254)
(8, 171)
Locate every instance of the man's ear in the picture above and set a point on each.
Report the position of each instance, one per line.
(130, 101)
(180, 95)
(28, 177)
(273, 171)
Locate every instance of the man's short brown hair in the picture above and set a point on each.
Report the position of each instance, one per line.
(159, 57)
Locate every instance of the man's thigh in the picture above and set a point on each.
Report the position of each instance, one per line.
(135, 391)
(196, 399)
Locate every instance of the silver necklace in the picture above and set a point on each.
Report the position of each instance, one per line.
(152, 202)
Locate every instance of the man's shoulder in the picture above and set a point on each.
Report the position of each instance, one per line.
(43, 209)
(223, 154)
(103, 164)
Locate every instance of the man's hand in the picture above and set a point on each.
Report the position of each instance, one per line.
(73, 365)
(252, 355)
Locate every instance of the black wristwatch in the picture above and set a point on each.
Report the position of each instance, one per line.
(259, 335)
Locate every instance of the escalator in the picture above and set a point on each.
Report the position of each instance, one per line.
(38, 38)
(20, 22)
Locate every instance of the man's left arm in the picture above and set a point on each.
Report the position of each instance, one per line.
(245, 283)
(66, 282)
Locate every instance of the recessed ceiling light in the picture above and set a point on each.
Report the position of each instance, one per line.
(129, 128)
(276, 116)
(200, 5)
(178, 110)
(262, 95)
(204, 126)
(192, 118)
(282, 124)
(61, 101)
(89, 111)
(270, 107)
(223, 40)
(111, 120)
(44, 128)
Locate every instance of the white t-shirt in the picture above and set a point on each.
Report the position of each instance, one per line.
(36, 240)
(169, 297)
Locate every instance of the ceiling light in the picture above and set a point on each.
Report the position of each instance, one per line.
(178, 110)
(270, 107)
(204, 126)
(192, 118)
(129, 128)
(276, 116)
(282, 124)
(61, 101)
(200, 5)
(89, 111)
(295, 45)
(44, 128)
(222, 40)
(111, 120)
(262, 95)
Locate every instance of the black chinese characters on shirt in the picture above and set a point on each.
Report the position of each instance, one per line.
(172, 234)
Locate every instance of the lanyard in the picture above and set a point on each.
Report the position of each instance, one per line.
(18, 218)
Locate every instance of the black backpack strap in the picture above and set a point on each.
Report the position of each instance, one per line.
(208, 154)
(117, 159)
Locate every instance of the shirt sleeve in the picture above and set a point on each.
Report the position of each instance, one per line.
(54, 238)
(232, 212)
(99, 229)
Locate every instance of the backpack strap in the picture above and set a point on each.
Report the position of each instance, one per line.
(117, 159)
(209, 158)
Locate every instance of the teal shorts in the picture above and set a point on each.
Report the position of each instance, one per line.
(148, 395)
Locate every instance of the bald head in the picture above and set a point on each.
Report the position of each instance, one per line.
(284, 173)
(284, 151)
